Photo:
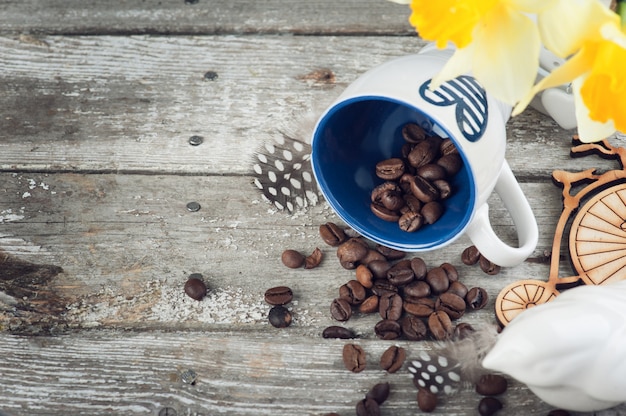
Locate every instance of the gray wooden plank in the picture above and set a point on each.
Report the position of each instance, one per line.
(129, 104)
(205, 17)
(244, 374)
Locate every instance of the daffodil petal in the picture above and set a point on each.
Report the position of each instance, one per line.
(588, 129)
(506, 56)
(567, 23)
(566, 73)
(531, 6)
(460, 63)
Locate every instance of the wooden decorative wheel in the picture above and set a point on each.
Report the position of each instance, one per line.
(597, 240)
(519, 296)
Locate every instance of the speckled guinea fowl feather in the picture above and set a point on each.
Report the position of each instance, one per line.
(283, 174)
(453, 364)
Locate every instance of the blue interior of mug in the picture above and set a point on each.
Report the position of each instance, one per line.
(350, 140)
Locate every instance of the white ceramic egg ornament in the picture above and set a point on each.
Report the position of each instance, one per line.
(570, 352)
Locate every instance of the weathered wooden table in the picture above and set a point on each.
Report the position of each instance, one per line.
(98, 101)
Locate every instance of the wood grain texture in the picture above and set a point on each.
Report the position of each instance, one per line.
(177, 17)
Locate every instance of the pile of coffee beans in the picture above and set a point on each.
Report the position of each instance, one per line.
(279, 316)
(417, 182)
(413, 302)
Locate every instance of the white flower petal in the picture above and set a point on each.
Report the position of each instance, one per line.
(506, 57)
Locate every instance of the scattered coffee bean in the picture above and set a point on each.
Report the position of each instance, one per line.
(470, 256)
(388, 329)
(438, 280)
(487, 266)
(292, 259)
(451, 304)
(390, 253)
(451, 272)
(476, 298)
(335, 331)
(491, 385)
(364, 276)
(413, 328)
(390, 306)
(463, 330)
(354, 357)
(353, 292)
(440, 325)
(489, 406)
(422, 307)
(393, 359)
(332, 234)
(351, 252)
(314, 259)
(379, 392)
(279, 295)
(401, 273)
(419, 268)
(379, 268)
(279, 316)
(195, 288)
(369, 305)
(458, 288)
(426, 401)
(416, 290)
(340, 309)
(367, 407)
(372, 255)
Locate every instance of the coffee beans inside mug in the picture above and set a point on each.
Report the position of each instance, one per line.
(417, 181)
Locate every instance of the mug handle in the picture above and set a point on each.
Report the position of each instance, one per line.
(485, 239)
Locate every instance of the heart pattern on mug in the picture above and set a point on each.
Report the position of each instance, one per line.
(470, 100)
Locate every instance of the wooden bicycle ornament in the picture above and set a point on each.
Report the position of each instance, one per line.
(597, 235)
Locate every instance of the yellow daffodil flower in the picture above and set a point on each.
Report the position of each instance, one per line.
(599, 83)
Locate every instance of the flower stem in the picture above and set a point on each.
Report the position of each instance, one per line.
(621, 10)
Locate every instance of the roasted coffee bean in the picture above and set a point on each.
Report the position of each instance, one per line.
(447, 146)
(364, 276)
(383, 286)
(369, 305)
(432, 172)
(458, 288)
(390, 306)
(416, 289)
(390, 253)
(393, 201)
(314, 259)
(440, 325)
(388, 329)
(372, 255)
(384, 213)
(279, 316)
(379, 268)
(438, 280)
(279, 295)
(400, 274)
(352, 251)
(335, 331)
(489, 406)
(491, 384)
(426, 401)
(423, 153)
(470, 256)
(451, 162)
(451, 272)
(413, 133)
(340, 309)
(487, 266)
(353, 292)
(419, 268)
(195, 288)
(393, 359)
(379, 392)
(293, 259)
(452, 304)
(411, 221)
(444, 188)
(411, 203)
(384, 188)
(432, 211)
(422, 308)
(413, 328)
(390, 169)
(423, 190)
(463, 330)
(476, 298)
(332, 234)
(354, 357)
(367, 407)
